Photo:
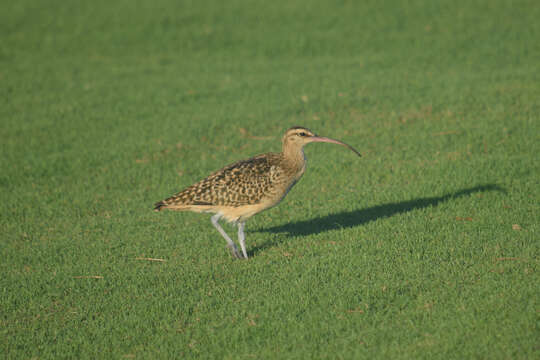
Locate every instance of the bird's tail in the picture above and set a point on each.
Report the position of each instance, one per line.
(172, 202)
(159, 205)
(179, 202)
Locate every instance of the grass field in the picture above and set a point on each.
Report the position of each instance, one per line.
(426, 247)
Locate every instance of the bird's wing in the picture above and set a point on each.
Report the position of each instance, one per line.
(242, 183)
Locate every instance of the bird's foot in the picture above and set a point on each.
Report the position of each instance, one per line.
(234, 252)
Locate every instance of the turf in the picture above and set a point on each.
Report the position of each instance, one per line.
(426, 247)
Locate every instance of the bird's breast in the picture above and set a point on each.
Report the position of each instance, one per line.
(282, 180)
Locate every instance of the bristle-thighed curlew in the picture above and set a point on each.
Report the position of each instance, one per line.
(247, 187)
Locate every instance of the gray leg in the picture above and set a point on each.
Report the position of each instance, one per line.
(230, 244)
(242, 238)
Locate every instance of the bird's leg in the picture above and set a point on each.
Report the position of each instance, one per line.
(242, 239)
(230, 244)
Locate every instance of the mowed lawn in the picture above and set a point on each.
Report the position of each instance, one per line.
(425, 247)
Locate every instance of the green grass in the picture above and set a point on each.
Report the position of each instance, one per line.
(426, 247)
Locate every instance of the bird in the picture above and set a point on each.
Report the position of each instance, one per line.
(245, 188)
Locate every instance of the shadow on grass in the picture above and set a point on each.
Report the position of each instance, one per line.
(348, 219)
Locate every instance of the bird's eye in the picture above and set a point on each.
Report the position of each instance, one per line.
(302, 134)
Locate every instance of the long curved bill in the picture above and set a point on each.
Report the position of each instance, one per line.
(332, 141)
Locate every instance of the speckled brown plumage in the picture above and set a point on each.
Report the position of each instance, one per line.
(245, 188)
(263, 179)
(242, 183)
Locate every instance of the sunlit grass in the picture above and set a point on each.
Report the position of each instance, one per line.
(426, 247)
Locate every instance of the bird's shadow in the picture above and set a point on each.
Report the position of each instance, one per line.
(349, 219)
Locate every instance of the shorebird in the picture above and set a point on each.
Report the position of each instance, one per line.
(247, 187)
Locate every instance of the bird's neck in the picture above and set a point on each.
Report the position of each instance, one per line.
(294, 157)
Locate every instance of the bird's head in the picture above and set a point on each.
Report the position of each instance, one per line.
(297, 137)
